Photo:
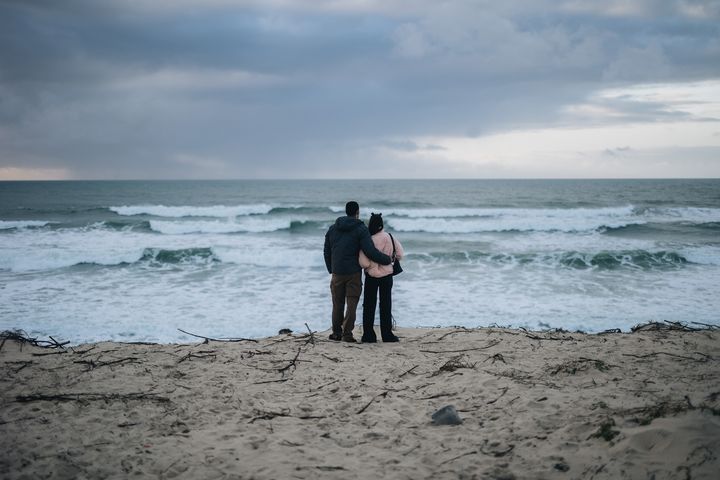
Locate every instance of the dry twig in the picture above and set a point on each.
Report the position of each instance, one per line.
(292, 364)
(208, 339)
(489, 345)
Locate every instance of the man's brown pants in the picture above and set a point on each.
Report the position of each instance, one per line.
(345, 288)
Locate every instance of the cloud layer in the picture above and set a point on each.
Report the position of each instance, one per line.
(222, 88)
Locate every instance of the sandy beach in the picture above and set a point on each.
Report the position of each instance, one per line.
(533, 405)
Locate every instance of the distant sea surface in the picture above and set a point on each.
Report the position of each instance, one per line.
(136, 260)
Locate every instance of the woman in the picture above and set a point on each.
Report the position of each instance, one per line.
(379, 277)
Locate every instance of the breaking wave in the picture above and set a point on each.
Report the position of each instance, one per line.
(180, 256)
(17, 224)
(610, 260)
(219, 211)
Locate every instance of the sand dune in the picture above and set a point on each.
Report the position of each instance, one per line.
(533, 405)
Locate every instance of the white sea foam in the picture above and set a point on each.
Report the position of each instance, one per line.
(514, 222)
(219, 211)
(267, 255)
(476, 220)
(238, 271)
(704, 255)
(27, 251)
(259, 301)
(240, 225)
(568, 213)
(9, 224)
(683, 214)
(51, 250)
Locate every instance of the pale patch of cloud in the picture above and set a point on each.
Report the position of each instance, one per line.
(592, 151)
(701, 100)
(693, 102)
(410, 146)
(638, 8)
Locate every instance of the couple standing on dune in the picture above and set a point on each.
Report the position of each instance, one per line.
(350, 247)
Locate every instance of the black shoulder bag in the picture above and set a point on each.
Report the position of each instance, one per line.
(396, 263)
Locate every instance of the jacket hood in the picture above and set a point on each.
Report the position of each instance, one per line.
(346, 224)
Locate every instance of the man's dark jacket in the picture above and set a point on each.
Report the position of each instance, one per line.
(343, 242)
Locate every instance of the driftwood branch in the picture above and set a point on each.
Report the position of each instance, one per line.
(408, 371)
(22, 337)
(92, 364)
(210, 339)
(537, 337)
(707, 357)
(327, 384)
(310, 339)
(666, 325)
(292, 364)
(489, 345)
(272, 381)
(453, 364)
(382, 394)
(461, 330)
(707, 326)
(498, 357)
(459, 456)
(505, 389)
(199, 354)
(332, 359)
(268, 415)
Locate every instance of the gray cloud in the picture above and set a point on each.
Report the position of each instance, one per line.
(242, 88)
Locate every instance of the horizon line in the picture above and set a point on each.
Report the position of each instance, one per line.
(269, 179)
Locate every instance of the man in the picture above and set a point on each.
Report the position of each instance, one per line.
(343, 242)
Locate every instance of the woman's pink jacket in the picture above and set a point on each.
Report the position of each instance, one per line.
(384, 244)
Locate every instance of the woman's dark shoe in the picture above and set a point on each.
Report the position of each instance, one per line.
(349, 339)
(391, 339)
(334, 336)
(369, 339)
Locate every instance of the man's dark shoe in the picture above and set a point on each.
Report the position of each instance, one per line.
(391, 339)
(349, 339)
(334, 336)
(368, 339)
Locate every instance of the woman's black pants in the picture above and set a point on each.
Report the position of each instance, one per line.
(372, 286)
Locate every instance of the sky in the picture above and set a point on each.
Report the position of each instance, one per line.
(218, 89)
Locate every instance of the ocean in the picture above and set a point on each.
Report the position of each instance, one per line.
(137, 260)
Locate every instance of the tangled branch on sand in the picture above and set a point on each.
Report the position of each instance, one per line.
(292, 364)
(646, 414)
(544, 337)
(453, 364)
(581, 364)
(23, 338)
(605, 431)
(668, 325)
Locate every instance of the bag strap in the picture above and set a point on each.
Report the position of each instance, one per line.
(393, 242)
